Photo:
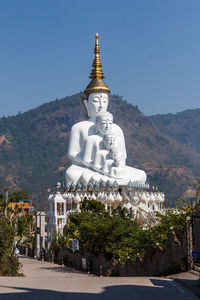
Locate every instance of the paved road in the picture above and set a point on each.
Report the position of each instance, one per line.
(46, 281)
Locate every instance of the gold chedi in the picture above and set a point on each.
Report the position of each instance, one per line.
(97, 83)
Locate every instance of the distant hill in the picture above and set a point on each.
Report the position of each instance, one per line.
(33, 148)
(183, 126)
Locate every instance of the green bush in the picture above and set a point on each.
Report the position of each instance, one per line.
(117, 235)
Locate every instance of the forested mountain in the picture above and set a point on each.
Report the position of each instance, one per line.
(33, 148)
(183, 126)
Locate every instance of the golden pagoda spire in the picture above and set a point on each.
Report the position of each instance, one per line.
(96, 71)
(96, 84)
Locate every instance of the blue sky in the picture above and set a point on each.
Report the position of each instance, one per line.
(150, 51)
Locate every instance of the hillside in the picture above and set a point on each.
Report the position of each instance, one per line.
(33, 148)
(183, 126)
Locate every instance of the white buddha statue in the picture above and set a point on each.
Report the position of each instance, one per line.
(106, 158)
(103, 160)
(94, 143)
(117, 168)
(85, 142)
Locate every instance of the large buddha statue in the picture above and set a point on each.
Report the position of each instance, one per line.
(97, 146)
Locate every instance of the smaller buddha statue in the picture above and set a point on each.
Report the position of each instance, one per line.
(94, 143)
(117, 168)
(112, 161)
(103, 154)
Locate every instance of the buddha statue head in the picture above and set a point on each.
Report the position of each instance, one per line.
(109, 140)
(96, 102)
(114, 154)
(104, 121)
(97, 90)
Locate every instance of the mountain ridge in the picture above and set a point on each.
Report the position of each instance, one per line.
(183, 126)
(33, 147)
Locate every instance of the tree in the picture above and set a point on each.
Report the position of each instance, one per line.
(9, 263)
(118, 235)
(14, 227)
(18, 195)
